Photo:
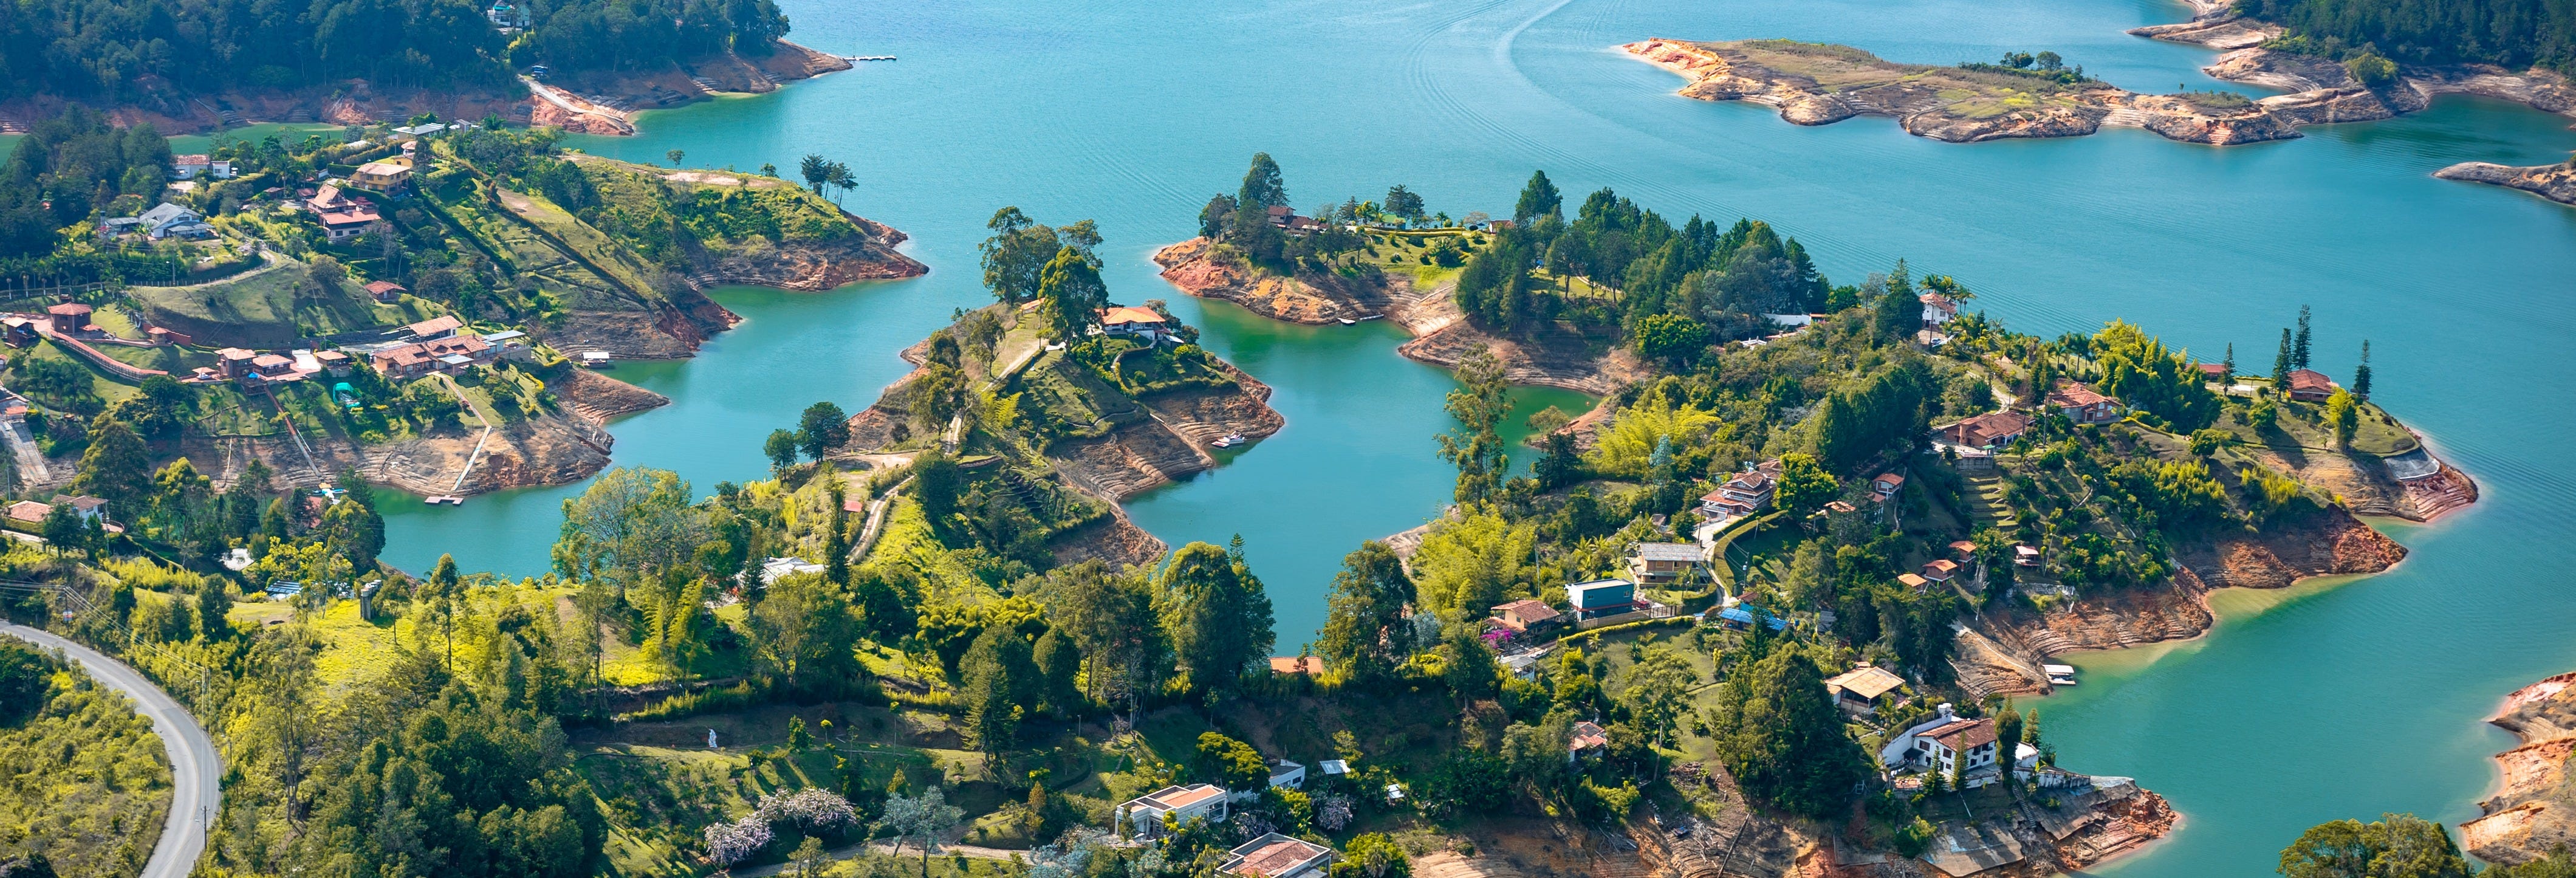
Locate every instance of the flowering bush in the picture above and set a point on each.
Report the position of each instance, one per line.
(1332, 811)
(730, 843)
(811, 811)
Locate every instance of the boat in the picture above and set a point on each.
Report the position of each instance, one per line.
(1349, 322)
(2058, 670)
(2061, 680)
(1373, 317)
(1231, 440)
(448, 499)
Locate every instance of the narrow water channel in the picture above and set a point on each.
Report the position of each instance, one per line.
(2329, 702)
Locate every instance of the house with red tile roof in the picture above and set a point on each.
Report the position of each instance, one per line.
(2309, 385)
(2082, 404)
(1182, 803)
(1988, 431)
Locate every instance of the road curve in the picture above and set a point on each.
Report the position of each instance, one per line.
(196, 775)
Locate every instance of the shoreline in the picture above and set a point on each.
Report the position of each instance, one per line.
(2555, 183)
(2519, 820)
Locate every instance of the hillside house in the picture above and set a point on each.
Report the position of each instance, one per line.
(1524, 616)
(1290, 775)
(190, 167)
(1134, 322)
(1182, 803)
(1277, 856)
(341, 216)
(382, 176)
(1663, 563)
(28, 512)
(1587, 736)
(1988, 431)
(450, 355)
(2309, 385)
(2025, 556)
(510, 344)
(1601, 597)
(19, 332)
(333, 363)
(84, 507)
(430, 329)
(1864, 688)
(1944, 743)
(2214, 372)
(173, 221)
(234, 363)
(1743, 493)
(1941, 570)
(385, 291)
(1938, 309)
(1887, 484)
(2082, 404)
(68, 318)
(1913, 582)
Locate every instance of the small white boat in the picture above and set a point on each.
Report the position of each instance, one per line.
(1231, 440)
(1349, 322)
(2058, 670)
(446, 499)
(2061, 680)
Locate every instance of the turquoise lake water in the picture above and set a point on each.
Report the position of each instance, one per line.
(2342, 701)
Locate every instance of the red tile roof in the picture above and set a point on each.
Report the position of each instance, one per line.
(2069, 393)
(1124, 314)
(1964, 735)
(2310, 379)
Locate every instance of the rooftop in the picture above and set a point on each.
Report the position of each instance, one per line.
(1125, 314)
(1669, 551)
(1867, 681)
(1176, 797)
(1963, 735)
(1274, 855)
(2069, 393)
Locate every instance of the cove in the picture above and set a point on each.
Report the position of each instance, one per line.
(2339, 702)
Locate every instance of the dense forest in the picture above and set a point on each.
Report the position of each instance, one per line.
(70, 166)
(111, 49)
(2513, 33)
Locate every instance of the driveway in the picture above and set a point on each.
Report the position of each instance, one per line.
(196, 774)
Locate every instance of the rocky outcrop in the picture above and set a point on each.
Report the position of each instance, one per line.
(2535, 811)
(599, 397)
(1194, 267)
(656, 331)
(2554, 182)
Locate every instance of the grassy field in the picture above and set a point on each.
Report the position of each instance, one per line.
(1972, 94)
(588, 243)
(270, 308)
(576, 285)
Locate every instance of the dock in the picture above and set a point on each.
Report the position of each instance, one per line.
(446, 499)
(871, 57)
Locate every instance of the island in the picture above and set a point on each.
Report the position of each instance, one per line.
(2533, 813)
(2028, 95)
(426, 309)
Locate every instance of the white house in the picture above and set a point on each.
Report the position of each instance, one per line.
(1944, 743)
(1129, 320)
(1198, 800)
(1276, 856)
(167, 220)
(1291, 775)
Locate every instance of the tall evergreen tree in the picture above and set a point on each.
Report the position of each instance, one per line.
(2228, 366)
(1783, 739)
(2299, 346)
(2282, 363)
(1001, 687)
(2361, 373)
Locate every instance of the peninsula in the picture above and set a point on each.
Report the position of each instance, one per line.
(417, 306)
(1064, 433)
(2554, 182)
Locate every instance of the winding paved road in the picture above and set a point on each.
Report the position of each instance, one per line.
(196, 774)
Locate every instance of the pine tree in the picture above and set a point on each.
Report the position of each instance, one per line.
(2361, 373)
(2229, 364)
(2299, 348)
(2281, 365)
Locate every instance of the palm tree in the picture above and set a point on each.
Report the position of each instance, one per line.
(838, 175)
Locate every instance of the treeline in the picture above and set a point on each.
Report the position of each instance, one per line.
(111, 49)
(70, 166)
(1720, 278)
(2513, 33)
